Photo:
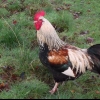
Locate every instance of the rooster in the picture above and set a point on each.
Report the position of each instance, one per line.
(64, 61)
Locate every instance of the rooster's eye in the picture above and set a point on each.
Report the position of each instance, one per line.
(40, 20)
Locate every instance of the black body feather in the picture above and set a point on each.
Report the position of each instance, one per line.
(94, 53)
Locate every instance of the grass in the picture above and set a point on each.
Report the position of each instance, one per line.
(26, 89)
(22, 75)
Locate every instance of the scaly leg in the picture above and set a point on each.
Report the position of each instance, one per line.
(54, 88)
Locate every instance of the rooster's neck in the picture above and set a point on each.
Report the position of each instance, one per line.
(48, 35)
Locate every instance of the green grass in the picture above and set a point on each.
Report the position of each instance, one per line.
(19, 48)
(29, 89)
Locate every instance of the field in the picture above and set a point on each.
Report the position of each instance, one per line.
(22, 76)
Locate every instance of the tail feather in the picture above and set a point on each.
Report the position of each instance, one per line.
(94, 52)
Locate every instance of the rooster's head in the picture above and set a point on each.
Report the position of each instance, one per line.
(46, 33)
(38, 19)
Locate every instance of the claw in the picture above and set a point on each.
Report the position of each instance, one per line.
(53, 91)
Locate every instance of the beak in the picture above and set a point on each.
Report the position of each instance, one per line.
(35, 22)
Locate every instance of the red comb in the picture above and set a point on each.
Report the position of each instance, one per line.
(38, 14)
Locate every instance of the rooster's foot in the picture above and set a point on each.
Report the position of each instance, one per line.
(54, 88)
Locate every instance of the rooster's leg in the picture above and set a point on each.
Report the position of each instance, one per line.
(54, 88)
